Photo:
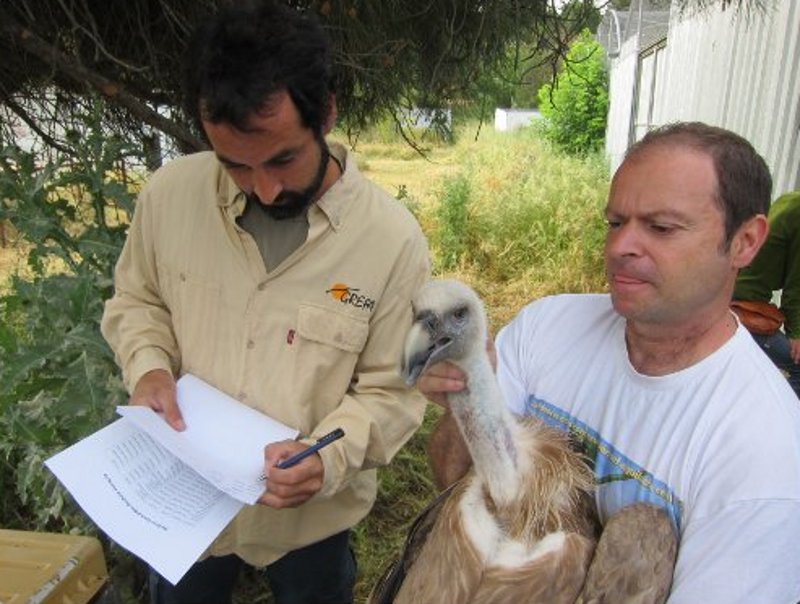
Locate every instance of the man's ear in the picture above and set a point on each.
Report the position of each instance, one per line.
(330, 119)
(748, 240)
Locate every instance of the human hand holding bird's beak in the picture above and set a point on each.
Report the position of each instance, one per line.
(439, 380)
(445, 377)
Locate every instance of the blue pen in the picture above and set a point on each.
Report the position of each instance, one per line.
(298, 457)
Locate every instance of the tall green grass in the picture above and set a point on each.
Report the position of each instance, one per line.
(520, 220)
(516, 220)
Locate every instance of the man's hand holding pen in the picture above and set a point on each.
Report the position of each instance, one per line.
(294, 471)
(293, 486)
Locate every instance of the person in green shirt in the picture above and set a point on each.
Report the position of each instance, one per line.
(777, 267)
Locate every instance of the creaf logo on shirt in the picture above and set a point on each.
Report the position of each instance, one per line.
(350, 295)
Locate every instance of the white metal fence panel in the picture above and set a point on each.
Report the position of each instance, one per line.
(622, 85)
(739, 70)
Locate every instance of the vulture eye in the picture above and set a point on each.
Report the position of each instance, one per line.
(460, 314)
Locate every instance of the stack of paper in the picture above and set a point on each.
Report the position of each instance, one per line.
(166, 495)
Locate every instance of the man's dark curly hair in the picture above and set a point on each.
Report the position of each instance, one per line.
(237, 61)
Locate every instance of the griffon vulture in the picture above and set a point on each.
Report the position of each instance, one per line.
(520, 527)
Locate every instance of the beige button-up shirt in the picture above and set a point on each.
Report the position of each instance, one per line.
(315, 343)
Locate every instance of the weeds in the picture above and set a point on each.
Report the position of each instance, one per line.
(452, 213)
(505, 213)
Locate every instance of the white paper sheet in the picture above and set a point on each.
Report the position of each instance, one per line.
(166, 495)
(143, 498)
(224, 440)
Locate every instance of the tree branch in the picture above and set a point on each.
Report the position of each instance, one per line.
(113, 91)
(31, 123)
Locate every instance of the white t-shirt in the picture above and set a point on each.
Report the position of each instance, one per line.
(716, 444)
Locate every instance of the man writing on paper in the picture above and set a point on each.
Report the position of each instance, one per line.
(273, 270)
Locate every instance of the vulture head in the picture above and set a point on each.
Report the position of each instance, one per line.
(449, 324)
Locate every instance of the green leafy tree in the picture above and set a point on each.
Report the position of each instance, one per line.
(514, 83)
(575, 106)
(389, 56)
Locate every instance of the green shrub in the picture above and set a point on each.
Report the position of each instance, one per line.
(451, 235)
(575, 108)
(58, 379)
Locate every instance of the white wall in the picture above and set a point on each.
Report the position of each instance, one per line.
(511, 119)
(735, 69)
(622, 79)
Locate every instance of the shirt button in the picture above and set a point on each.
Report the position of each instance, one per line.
(262, 287)
(250, 344)
(242, 397)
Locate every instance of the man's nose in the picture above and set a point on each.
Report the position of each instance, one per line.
(623, 240)
(266, 186)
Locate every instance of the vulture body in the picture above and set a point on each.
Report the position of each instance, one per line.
(520, 527)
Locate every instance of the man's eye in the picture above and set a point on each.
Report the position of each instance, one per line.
(613, 224)
(281, 161)
(662, 229)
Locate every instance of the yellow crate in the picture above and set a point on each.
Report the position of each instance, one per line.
(48, 568)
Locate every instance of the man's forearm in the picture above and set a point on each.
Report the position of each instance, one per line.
(447, 452)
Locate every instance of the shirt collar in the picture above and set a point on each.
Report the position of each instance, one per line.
(333, 204)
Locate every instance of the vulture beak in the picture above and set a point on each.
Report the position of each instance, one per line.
(425, 345)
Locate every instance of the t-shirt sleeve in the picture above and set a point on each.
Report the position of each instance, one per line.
(512, 364)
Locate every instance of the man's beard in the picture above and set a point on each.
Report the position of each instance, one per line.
(289, 204)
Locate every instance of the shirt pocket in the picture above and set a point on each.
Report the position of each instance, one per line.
(328, 347)
(331, 328)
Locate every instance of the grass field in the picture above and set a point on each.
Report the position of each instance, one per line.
(502, 213)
